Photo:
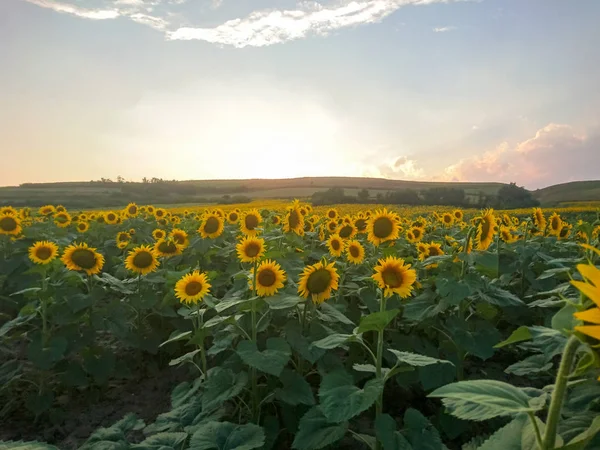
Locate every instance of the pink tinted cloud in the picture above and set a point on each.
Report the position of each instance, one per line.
(556, 154)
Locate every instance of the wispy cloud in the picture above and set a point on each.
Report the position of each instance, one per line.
(444, 29)
(258, 29)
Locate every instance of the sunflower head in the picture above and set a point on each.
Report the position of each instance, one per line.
(355, 252)
(159, 234)
(382, 227)
(46, 210)
(131, 210)
(212, 226)
(233, 217)
(180, 237)
(111, 217)
(142, 260)
(347, 230)
(486, 229)
(82, 227)
(269, 278)
(192, 288)
(508, 234)
(43, 252)
(275, 220)
(335, 244)
(458, 215)
(8, 211)
(123, 236)
(167, 247)
(332, 214)
(394, 276)
(539, 219)
(447, 219)
(81, 257)
(160, 213)
(555, 224)
(10, 225)
(414, 234)
(332, 226)
(317, 281)
(250, 222)
(250, 249)
(60, 208)
(360, 223)
(293, 221)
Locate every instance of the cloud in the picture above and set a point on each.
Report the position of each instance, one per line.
(444, 29)
(403, 168)
(556, 154)
(258, 29)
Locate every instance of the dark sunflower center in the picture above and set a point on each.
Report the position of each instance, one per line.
(266, 278)
(457, 215)
(318, 281)
(251, 221)
(361, 224)
(61, 218)
(211, 225)
(275, 220)
(43, 253)
(159, 213)
(555, 223)
(132, 210)
(111, 217)
(123, 237)
(294, 220)
(382, 227)
(485, 228)
(332, 226)
(193, 288)
(167, 247)
(252, 249)
(8, 224)
(81, 226)
(354, 252)
(345, 231)
(447, 219)
(143, 260)
(335, 244)
(434, 251)
(179, 238)
(417, 233)
(564, 231)
(84, 258)
(160, 234)
(331, 214)
(392, 277)
(233, 217)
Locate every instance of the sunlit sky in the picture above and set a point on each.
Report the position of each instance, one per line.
(490, 90)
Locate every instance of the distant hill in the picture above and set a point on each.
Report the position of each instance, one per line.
(574, 192)
(117, 194)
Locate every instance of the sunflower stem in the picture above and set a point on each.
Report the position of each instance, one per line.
(523, 263)
(254, 377)
(201, 345)
(378, 371)
(560, 386)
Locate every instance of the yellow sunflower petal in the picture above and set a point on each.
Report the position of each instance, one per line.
(591, 315)
(590, 330)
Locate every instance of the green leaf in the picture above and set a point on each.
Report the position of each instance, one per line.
(229, 303)
(272, 360)
(336, 340)
(508, 437)
(563, 320)
(499, 297)
(519, 335)
(162, 441)
(340, 399)
(528, 436)
(581, 441)
(476, 336)
(453, 291)
(176, 337)
(222, 385)
(369, 368)
(227, 436)
(315, 431)
(416, 360)
(531, 365)
(39, 403)
(189, 356)
(301, 344)
(377, 321)
(385, 429)
(184, 391)
(421, 433)
(330, 313)
(483, 399)
(45, 356)
(20, 445)
(283, 302)
(19, 320)
(295, 389)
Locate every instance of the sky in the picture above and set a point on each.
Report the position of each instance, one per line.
(428, 90)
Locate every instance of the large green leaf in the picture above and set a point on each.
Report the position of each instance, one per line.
(336, 340)
(315, 431)
(582, 440)
(341, 399)
(301, 344)
(44, 356)
(295, 389)
(519, 335)
(20, 445)
(483, 399)
(421, 433)
(162, 441)
(477, 337)
(176, 336)
(416, 360)
(271, 360)
(452, 290)
(532, 365)
(330, 313)
(282, 301)
(377, 321)
(390, 438)
(227, 436)
(507, 437)
(222, 385)
(499, 297)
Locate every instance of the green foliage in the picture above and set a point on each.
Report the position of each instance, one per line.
(315, 431)
(227, 436)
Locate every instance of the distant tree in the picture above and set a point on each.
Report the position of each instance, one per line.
(444, 196)
(363, 196)
(513, 196)
(403, 197)
(120, 179)
(145, 180)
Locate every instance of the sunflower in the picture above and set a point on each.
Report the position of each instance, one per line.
(275, 220)
(332, 226)
(382, 227)
(590, 287)
(332, 214)
(555, 224)
(167, 248)
(142, 260)
(8, 211)
(321, 234)
(150, 209)
(508, 234)
(458, 215)
(176, 220)
(122, 244)
(192, 288)
(250, 221)
(10, 225)
(303, 210)
(131, 231)
(111, 217)
(539, 220)
(415, 234)
(46, 210)
(219, 212)
(82, 227)
(159, 234)
(394, 276)
(355, 252)
(84, 258)
(180, 237)
(335, 244)
(294, 220)
(233, 217)
(269, 278)
(25, 213)
(131, 210)
(60, 208)
(447, 219)
(43, 252)
(485, 230)
(347, 230)
(422, 247)
(431, 249)
(318, 281)
(360, 223)
(250, 249)
(160, 213)
(211, 227)
(123, 236)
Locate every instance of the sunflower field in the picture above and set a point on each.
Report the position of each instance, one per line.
(297, 328)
